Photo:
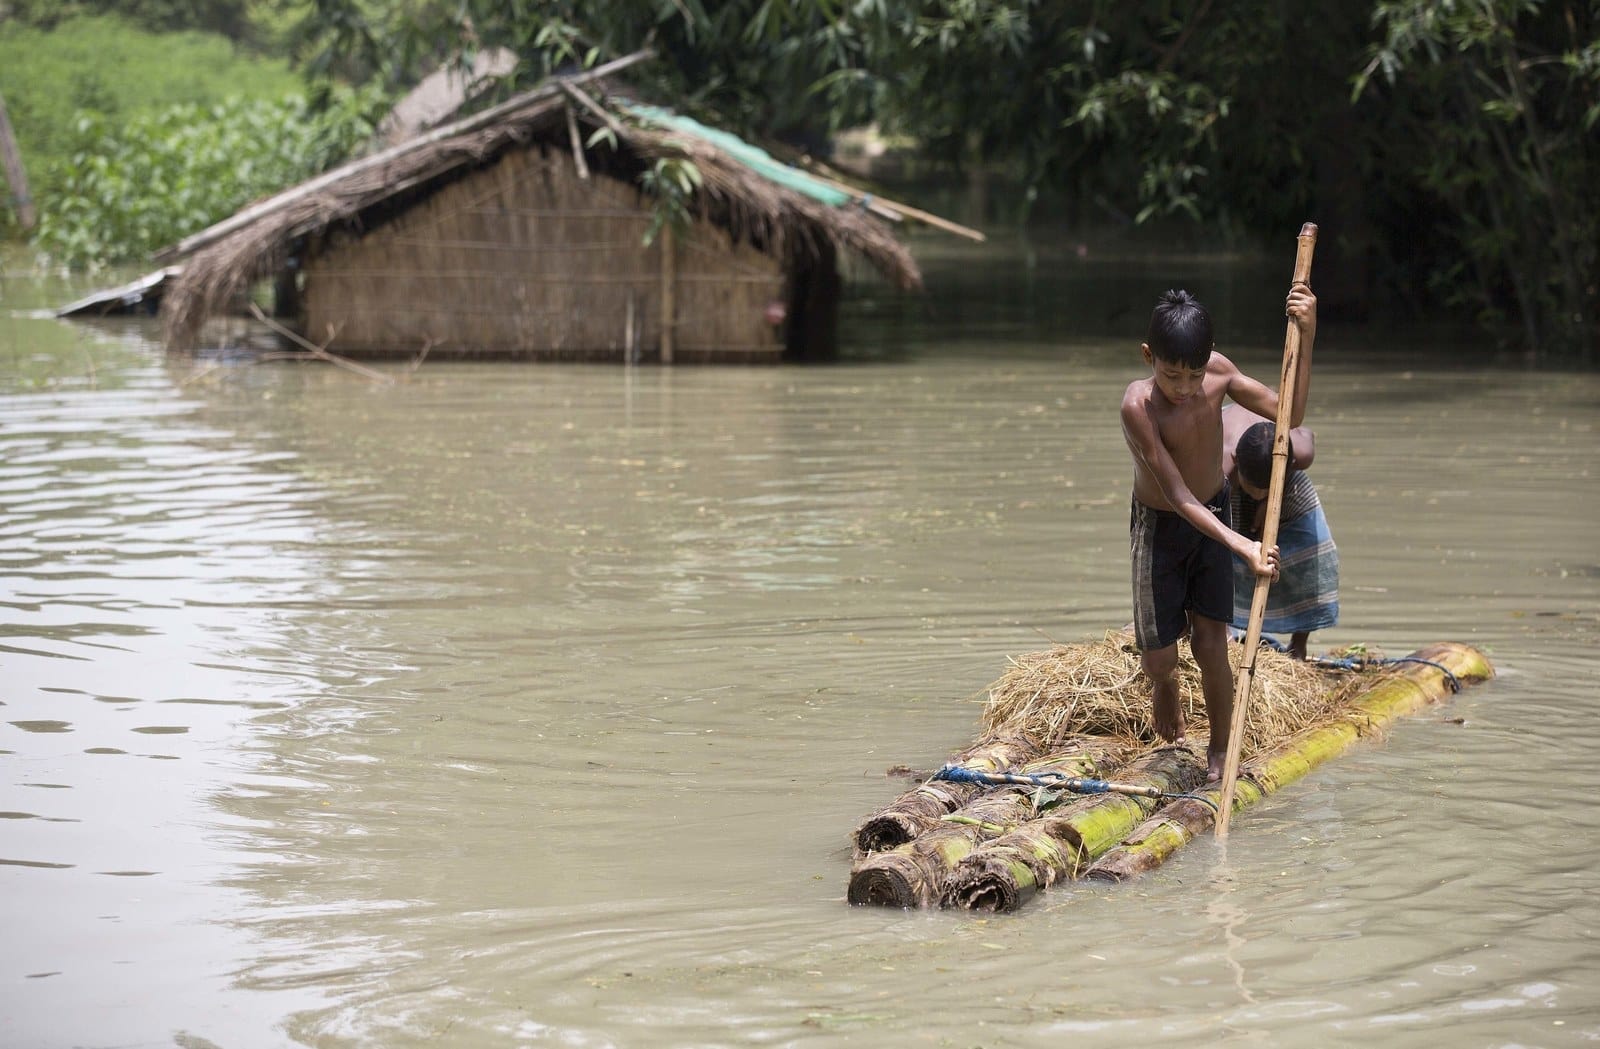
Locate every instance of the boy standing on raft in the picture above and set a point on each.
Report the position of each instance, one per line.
(1181, 549)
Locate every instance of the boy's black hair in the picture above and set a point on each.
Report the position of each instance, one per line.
(1180, 330)
(1253, 455)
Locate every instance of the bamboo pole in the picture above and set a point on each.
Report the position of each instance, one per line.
(582, 98)
(1245, 675)
(577, 144)
(16, 174)
(894, 210)
(1399, 692)
(669, 287)
(628, 332)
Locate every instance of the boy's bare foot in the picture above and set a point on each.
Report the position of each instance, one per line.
(1168, 714)
(1216, 761)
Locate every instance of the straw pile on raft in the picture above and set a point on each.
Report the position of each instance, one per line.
(1083, 710)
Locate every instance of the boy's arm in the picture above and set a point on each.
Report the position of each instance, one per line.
(1236, 419)
(1150, 455)
(1301, 307)
(1304, 441)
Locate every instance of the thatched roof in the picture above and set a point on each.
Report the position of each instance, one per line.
(779, 214)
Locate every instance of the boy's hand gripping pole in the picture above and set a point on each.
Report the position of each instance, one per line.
(1246, 674)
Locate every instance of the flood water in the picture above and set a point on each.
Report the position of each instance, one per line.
(535, 704)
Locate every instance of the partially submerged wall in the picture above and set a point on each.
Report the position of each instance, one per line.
(526, 258)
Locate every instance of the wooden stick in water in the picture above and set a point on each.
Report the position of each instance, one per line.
(320, 352)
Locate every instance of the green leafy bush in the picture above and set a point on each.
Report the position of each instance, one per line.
(130, 187)
(106, 65)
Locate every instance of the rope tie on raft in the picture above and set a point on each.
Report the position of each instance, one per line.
(1057, 781)
(1361, 663)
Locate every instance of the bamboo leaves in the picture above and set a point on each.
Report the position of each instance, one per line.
(673, 182)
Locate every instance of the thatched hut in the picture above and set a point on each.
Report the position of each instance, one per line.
(521, 231)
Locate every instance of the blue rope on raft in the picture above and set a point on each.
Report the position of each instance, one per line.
(1075, 784)
(958, 774)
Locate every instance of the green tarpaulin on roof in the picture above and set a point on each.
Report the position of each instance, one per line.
(753, 157)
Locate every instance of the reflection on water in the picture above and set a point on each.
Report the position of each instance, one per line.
(535, 704)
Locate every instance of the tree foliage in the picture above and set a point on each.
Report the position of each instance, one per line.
(106, 67)
(771, 64)
(1449, 148)
(242, 21)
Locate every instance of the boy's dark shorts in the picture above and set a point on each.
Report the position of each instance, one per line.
(1176, 570)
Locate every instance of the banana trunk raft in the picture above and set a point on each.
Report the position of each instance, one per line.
(1082, 711)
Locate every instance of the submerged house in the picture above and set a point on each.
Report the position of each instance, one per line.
(520, 231)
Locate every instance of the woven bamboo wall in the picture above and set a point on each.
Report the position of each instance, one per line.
(525, 258)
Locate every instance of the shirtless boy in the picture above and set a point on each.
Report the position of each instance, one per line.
(1182, 552)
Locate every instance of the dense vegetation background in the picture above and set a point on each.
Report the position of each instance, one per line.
(1448, 148)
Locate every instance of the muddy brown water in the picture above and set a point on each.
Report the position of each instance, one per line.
(516, 704)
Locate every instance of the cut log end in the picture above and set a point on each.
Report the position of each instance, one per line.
(886, 831)
(1004, 874)
(891, 880)
(984, 893)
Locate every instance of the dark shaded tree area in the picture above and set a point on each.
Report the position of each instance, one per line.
(1488, 197)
